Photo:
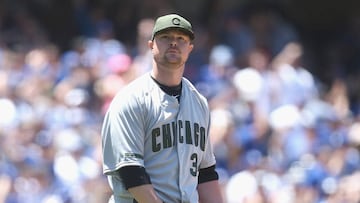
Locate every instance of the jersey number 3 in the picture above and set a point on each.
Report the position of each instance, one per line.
(194, 168)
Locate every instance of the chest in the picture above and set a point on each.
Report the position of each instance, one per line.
(170, 123)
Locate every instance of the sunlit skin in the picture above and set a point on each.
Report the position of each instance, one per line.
(171, 49)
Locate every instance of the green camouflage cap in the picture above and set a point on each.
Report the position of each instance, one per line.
(173, 21)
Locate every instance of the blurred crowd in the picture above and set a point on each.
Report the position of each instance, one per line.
(279, 133)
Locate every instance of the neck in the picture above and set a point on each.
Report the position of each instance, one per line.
(166, 76)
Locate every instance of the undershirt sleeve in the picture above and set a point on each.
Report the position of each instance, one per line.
(207, 174)
(133, 176)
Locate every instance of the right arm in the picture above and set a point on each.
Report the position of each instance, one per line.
(123, 148)
(138, 183)
(144, 194)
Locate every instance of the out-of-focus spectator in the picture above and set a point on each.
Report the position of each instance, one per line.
(142, 54)
(214, 78)
(249, 188)
(122, 72)
(220, 131)
(280, 134)
(5, 187)
(237, 34)
(296, 84)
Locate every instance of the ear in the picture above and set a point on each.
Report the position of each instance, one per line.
(191, 47)
(151, 44)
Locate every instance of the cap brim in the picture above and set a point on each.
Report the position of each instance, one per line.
(185, 31)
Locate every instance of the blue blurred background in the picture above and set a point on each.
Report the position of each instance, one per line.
(281, 78)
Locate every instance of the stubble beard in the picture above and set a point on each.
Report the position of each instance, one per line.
(171, 61)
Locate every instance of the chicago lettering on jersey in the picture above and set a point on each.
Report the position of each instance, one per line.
(183, 132)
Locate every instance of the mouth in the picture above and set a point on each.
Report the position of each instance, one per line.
(172, 50)
(173, 55)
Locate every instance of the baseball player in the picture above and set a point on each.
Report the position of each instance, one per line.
(155, 134)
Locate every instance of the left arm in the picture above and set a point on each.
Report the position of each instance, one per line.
(210, 192)
(208, 186)
(208, 180)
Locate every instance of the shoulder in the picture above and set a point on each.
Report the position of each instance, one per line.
(194, 97)
(188, 86)
(134, 92)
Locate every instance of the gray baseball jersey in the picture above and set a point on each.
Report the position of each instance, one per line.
(146, 127)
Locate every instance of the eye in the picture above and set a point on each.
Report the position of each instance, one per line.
(181, 38)
(164, 37)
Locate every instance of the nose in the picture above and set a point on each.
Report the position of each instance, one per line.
(173, 41)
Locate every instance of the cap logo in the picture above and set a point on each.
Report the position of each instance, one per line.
(173, 21)
(176, 21)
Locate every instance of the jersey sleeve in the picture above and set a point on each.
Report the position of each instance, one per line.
(209, 157)
(122, 135)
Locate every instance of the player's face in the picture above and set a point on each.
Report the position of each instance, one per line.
(171, 48)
